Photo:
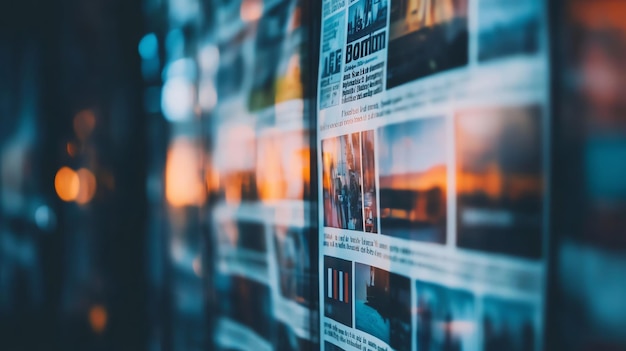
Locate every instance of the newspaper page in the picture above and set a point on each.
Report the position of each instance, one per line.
(432, 159)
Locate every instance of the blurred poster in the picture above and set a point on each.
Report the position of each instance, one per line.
(272, 36)
(258, 176)
(432, 164)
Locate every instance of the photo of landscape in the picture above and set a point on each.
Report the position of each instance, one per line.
(413, 180)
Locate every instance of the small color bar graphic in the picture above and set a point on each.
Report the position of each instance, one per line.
(338, 285)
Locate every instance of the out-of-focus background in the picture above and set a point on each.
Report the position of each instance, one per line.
(111, 147)
(139, 136)
(79, 267)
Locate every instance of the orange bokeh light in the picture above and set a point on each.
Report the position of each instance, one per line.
(184, 185)
(599, 14)
(98, 318)
(282, 166)
(270, 173)
(212, 179)
(235, 160)
(87, 186)
(67, 184)
(251, 10)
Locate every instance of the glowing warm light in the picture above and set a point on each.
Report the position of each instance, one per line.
(269, 173)
(66, 184)
(305, 157)
(212, 179)
(251, 10)
(297, 170)
(184, 185)
(235, 160)
(495, 184)
(480, 169)
(98, 318)
(232, 188)
(599, 14)
(84, 123)
(435, 177)
(282, 169)
(87, 186)
(429, 13)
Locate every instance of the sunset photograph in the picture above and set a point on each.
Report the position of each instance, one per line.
(499, 180)
(413, 177)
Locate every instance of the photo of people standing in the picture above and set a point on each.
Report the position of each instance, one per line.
(369, 182)
(342, 182)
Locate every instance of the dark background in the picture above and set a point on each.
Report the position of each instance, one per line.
(56, 59)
